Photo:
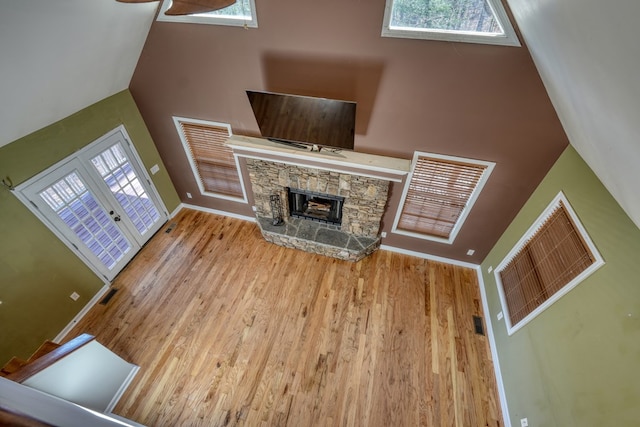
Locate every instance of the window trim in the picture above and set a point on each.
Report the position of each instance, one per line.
(509, 38)
(598, 262)
(465, 212)
(194, 166)
(209, 19)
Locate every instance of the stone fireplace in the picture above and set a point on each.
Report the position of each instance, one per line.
(320, 187)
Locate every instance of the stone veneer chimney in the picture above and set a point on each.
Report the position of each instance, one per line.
(365, 196)
(364, 204)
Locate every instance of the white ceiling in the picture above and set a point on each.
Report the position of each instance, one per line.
(588, 56)
(58, 57)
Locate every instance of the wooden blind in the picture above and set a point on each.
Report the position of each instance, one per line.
(214, 161)
(549, 260)
(438, 192)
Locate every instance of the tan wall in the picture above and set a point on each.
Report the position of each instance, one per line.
(37, 271)
(576, 363)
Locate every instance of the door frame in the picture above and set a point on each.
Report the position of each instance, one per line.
(77, 155)
(49, 178)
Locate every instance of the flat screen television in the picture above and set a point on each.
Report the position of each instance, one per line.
(304, 120)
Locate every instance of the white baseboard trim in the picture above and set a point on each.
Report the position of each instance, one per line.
(494, 353)
(176, 210)
(126, 421)
(385, 247)
(429, 257)
(93, 301)
(123, 387)
(217, 212)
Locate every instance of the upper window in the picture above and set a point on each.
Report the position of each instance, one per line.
(473, 21)
(242, 14)
(438, 195)
(551, 259)
(214, 165)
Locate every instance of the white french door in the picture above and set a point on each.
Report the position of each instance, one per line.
(99, 201)
(112, 161)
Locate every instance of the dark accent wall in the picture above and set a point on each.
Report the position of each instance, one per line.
(477, 101)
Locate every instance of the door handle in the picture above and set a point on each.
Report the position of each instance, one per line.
(116, 218)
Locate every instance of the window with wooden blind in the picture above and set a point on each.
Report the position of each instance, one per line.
(438, 195)
(551, 259)
(214, 166)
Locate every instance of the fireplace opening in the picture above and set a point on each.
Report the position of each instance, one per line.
(315, 206)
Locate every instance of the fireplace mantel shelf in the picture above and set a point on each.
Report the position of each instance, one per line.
(389, 168)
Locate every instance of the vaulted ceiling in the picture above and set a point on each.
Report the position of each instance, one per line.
(59, 57)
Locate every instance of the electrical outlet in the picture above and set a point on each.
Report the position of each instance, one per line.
(490, 269)
(189, 195)
(154, 169)
(500, 316)
(383, 234)
(253, 208)
(471, 252)
(524, 422)
(74, 296)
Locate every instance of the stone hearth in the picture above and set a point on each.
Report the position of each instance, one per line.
(310, 236)
(272, 170)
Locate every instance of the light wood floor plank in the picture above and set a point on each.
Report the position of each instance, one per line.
(231, 330)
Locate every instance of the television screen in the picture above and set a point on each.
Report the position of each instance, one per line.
(304, 119)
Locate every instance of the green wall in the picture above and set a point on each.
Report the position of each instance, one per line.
(37, 271)
(577, 363)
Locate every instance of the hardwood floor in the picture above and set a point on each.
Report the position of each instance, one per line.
(231, 330)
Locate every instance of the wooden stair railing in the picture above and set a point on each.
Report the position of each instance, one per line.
(8, 418)
(16, 363)
(47, 354)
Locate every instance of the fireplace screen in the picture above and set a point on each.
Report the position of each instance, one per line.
(315, 206)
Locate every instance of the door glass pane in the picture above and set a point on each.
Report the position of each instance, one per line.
(79, 210)
(117, 172)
